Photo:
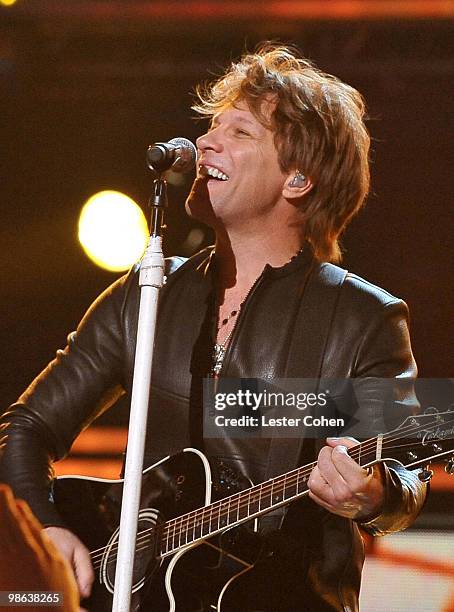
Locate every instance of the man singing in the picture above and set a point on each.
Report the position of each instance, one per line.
(281, 171)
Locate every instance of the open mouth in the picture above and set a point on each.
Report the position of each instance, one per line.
(213, 172)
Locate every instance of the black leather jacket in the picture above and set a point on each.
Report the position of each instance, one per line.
(367, 336)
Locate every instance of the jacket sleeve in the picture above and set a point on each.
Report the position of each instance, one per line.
(77, 386)
(385, 352)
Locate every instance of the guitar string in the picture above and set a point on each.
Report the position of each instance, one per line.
(255, 497)
(220, 502)
(252, 497)
(145, 541)
(285, 480)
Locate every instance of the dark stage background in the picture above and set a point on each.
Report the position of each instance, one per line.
(87, 85)
(85, 90)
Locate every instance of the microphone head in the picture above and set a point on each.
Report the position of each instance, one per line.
(179, 155)
(185, 155)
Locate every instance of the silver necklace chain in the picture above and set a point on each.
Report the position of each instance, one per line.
(220, 349)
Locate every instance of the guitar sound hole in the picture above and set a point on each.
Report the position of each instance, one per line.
(145, 556)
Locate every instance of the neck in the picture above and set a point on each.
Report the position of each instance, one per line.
(241, 259)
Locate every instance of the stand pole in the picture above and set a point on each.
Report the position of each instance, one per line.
(151, 279)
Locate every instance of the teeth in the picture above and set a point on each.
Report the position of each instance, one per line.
(215, 173)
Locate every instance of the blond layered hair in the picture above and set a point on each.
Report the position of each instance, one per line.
(318, 125)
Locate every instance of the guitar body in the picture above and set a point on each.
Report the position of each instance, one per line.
(196, 577)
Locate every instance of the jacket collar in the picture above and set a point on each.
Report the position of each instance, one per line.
(298, 263)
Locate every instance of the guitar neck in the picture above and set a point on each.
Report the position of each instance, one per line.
(418, 441)
(250, 503)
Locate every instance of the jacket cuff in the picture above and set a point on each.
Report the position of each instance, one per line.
(405, 495)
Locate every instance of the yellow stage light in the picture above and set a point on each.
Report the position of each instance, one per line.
(7, 2)
(112, 230)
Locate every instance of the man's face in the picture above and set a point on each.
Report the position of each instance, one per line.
(238, 177)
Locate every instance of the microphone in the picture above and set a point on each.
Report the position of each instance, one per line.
(178, 155)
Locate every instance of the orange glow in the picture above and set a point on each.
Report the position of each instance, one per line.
(441, 481)
(101, 440)
(96, 468)
(415, 561)
(290, 9)
(91, 442)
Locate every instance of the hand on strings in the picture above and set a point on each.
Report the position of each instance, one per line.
(78, 556)
(339, 484)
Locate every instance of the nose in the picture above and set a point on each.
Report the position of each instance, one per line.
(210, 141)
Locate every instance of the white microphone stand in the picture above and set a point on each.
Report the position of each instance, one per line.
(151, 279)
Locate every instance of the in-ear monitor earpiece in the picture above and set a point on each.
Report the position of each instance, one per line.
(298, 180)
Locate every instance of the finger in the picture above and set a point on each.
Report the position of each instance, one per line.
(325, 464)
(319, 487)
(343, 474)
(321, 501)
(76, 554)
(347, 441)
(83, 570)
(347, 509)
(335, 509)
(328, 468)
(351, 472)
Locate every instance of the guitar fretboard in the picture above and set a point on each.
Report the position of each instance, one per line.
(417, 441)
(246, 504)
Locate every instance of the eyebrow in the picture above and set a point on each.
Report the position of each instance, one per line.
(242, 119)
(238, 118)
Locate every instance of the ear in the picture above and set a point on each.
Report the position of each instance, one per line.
(296, 186)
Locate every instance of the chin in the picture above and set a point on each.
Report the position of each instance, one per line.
(198, 204)
(200, 208)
